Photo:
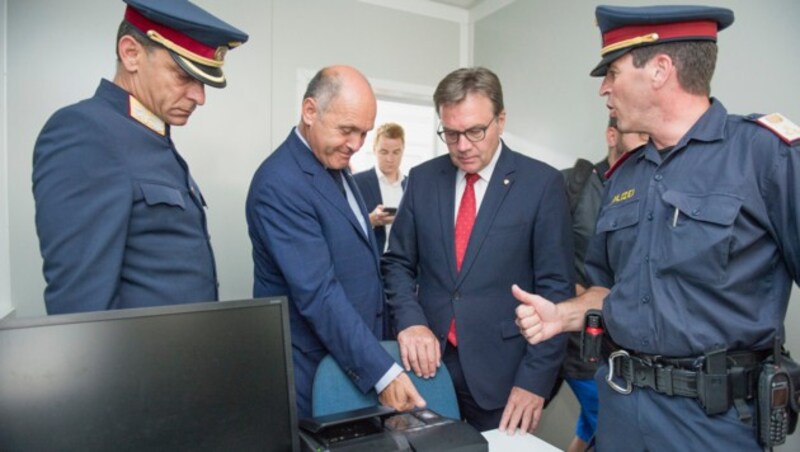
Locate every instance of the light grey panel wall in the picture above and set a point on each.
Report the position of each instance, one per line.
(543, 52)
(5, 275)
(383, 43)
(225, 140)
(58, 53)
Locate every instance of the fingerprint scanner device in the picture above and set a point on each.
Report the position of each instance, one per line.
(382, 428)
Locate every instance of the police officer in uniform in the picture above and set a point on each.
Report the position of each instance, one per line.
(696, 243)
(121, 222)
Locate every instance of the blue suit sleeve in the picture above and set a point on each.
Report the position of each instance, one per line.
(291, 231)
(83, 197)
(399, 266)
(553, 279)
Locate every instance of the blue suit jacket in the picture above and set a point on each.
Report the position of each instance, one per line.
(522, 235)
(121, 223)
(308, 244)
(371, 191)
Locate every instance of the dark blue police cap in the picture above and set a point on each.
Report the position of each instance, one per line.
(197, 40)
(626, 28)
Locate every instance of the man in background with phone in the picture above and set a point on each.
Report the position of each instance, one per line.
(383, 185)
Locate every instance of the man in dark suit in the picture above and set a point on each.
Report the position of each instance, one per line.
(383, 185)
(312, 241)
(472, 224)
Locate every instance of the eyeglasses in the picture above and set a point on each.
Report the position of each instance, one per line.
(474, 134)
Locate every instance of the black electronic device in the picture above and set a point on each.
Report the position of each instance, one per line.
(774, 392)
(381, 428)
(352, 431)
(390, 210)
(204, 376)
(428, 431)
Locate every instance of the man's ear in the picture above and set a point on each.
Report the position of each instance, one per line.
(130, 53)
(662, 69)
(611, 136)
(309, 111)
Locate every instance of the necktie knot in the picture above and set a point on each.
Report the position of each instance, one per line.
(337, 177)
(472, 178)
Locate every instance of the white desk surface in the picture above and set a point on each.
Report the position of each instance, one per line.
(501, 442)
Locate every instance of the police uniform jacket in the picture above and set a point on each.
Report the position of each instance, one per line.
(699, 246)
(121, 223)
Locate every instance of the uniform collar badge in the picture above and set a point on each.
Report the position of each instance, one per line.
(140, 113)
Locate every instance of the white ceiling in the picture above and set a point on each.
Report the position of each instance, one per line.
(464, 4)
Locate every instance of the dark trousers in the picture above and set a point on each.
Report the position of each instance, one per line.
(645, 420)
(471, 412)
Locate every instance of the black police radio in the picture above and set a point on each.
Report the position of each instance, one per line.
(778, 397)
(774, 392)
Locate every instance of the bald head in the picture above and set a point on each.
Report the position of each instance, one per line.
(339, 109)
(332, 81)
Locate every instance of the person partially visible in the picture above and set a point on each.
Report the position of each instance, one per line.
(471, 224)
(696, 246)
(121, 222)
(585, 182)
(383, 185)
(312, 242)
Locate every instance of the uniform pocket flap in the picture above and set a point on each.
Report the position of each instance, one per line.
(161, 194)
(716, 208)
(618, 217)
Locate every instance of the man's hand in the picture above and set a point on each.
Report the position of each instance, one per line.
(380, 218)
(420, 351)
(523, 411)
(537, 318)
(401, 394)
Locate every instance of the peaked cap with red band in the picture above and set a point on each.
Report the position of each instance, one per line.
(196, 40)
(626, 28)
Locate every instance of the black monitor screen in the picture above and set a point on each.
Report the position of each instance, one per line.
(206, 376)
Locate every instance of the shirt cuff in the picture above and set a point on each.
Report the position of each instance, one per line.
(388, 377)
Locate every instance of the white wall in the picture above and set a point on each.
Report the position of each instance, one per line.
(543, 52)
(58, 53)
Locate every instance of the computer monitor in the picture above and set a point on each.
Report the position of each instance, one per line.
(205, 376)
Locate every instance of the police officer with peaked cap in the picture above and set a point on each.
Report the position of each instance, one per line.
(696, 244)
(121, 222)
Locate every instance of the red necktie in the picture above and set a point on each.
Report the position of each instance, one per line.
(464, 222)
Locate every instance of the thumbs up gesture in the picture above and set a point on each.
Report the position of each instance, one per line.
(537, 318)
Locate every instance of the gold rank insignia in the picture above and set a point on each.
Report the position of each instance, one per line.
(780, 125)
(140, 113)
(219, 54)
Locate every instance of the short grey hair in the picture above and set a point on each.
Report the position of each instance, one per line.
(324, 87)
(694, 60)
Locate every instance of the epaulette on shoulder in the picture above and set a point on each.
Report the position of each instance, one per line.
(780, 125)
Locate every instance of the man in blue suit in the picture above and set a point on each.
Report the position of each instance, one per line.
(312, 241)
(121, 222)
(383, 185)
(472, 224)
